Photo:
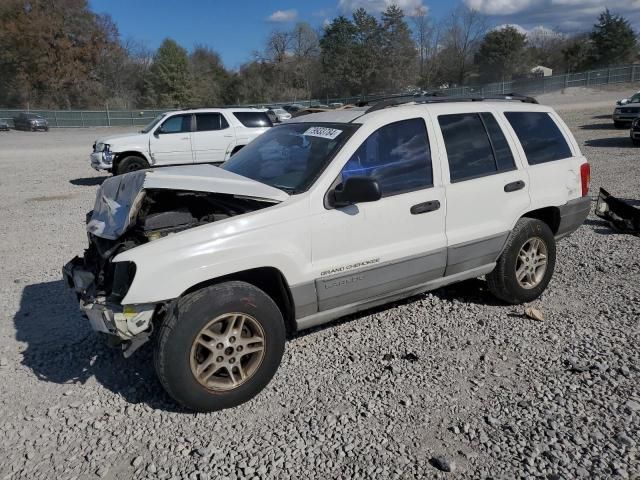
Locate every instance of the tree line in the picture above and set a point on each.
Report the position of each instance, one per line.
(60, 54)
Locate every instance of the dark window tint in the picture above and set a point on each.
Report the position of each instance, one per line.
(210, 121)
(501, 149)
(177, 124)
(468, 148)
(539, 135)
(253, 119)
(397, 156)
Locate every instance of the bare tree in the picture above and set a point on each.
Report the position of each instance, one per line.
(464, 31)
(427, 37)
(278, 46)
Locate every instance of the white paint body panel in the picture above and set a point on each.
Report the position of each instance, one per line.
(302, 238)
(188, 147)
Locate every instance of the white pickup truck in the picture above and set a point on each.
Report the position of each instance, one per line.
(320, 217)
(208, 135)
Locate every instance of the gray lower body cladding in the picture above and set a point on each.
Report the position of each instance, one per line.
(360, 285)
(572, 215)
(372, 283)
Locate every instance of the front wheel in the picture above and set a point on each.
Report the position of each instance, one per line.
(131, 164)
(220, 346)
(526, 265)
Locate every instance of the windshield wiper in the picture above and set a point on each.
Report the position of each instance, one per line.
(289, 190)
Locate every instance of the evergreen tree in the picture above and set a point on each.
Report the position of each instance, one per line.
(502, 53)
(614, 41)
(367, 51)
(337, 48)
(169, 82)
(399, 50)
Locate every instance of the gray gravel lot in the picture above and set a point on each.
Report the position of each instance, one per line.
(449, 380)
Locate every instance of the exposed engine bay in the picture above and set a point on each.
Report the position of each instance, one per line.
(161, 212)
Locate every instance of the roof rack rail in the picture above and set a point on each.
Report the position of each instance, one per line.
(514, 97)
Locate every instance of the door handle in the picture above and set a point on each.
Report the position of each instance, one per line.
(425, 207)
(514, 186)
(228, 136)
(184, 138)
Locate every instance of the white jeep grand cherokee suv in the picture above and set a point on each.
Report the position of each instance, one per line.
(208, 135)
(321, 217)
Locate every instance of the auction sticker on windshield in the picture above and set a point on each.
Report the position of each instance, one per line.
(323, 132)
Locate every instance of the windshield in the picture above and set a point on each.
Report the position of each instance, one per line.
(635, 98)
(291, 156)
(153, 123)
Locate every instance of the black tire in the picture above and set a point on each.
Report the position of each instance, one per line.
(635, 142)
(502, 281)
(184, 322)
(131, 164)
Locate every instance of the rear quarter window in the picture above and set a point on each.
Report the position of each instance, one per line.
(541, 139)
(253, 119)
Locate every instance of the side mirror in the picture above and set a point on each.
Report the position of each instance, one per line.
(356, 190)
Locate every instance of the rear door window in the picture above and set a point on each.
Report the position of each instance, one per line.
(253, 119)
(475, 145)
(541, 139)
(206, 122)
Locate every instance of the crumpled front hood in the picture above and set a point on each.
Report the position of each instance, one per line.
(119, 198)
(126, 139)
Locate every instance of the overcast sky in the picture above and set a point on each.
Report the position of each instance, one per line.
(238, 28)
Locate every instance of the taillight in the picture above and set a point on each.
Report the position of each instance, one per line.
(585, 178)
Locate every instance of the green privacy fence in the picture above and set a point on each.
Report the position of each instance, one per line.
(527, 86)
(88, 118)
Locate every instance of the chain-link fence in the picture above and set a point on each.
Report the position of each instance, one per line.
(88, 118)
(527, 86)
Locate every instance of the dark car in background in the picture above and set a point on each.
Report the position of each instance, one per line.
(30, 121)
(4, 126)
(626, 111)
(634, 133)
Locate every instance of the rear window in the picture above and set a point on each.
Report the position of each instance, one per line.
(210, 121)
(253, 119)
(539, 135)
(475, 146)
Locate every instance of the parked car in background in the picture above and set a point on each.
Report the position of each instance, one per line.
(281, 114)
(626, 111)
(634, 133)
(208, 135)
(321, 217)
(335, 105)
(4, 126)
(272, 115)
(30, 121)
(293, 108)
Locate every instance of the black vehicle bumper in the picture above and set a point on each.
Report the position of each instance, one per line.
(572, 215)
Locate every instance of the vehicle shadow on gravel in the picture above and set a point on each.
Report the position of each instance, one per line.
(599, 126)
(87, 181)
(61, 348)
(615, 142)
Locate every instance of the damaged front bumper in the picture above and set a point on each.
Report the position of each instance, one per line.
(101, 160)
(129, 326)
(620, 215)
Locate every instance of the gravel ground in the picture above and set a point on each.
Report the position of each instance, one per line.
(449, 380)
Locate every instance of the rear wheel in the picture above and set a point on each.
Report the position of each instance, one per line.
(526, 265)
(131, 164)
(220, 346)
(636, 142)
